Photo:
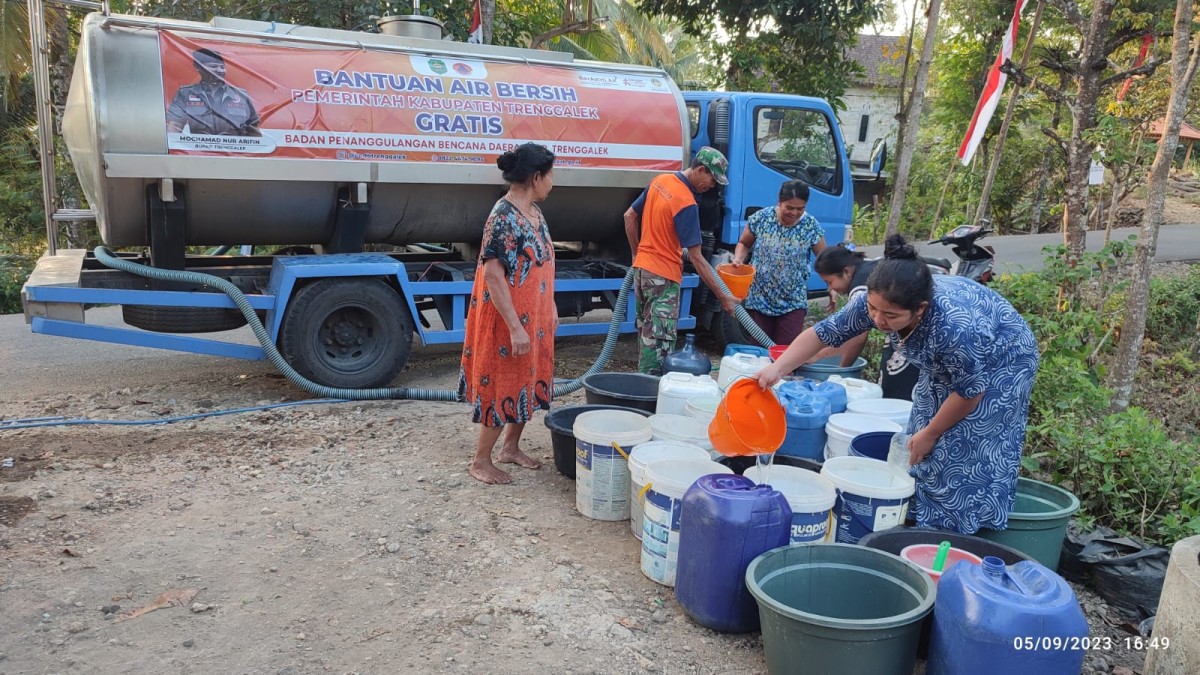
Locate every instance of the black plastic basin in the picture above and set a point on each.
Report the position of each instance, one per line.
(631, 390)
(561, 422)
(740, 464)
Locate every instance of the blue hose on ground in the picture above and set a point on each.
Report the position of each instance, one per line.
(108, 259)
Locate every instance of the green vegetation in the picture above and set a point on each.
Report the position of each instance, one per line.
(1132, 470)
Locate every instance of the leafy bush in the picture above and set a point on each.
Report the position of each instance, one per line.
(1127, 471)
(14, 269)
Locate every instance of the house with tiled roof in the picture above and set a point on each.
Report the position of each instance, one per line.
(872, 101)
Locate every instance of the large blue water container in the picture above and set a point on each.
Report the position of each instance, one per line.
(725, 522)
(993, 619)
(807, 414)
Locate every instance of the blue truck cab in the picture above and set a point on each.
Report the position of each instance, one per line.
(769, 139)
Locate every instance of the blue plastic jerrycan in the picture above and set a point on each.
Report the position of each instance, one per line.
(807, 413)
(993, 619)
(725, 522)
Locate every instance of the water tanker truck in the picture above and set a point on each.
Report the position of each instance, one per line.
(340, 180)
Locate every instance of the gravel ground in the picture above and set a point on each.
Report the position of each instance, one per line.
(325, 538)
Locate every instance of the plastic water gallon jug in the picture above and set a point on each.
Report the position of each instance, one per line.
(993, 619)
(674, 390)
(856, 389)
(736, 366)
(726, 522)
(834, 393)
(687, 359)
(753, 350)
(807, 414)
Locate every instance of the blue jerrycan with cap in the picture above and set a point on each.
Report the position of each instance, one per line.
(997, 619)
(725, 522)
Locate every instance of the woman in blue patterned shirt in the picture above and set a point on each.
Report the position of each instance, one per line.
(978, 359)
(781, 241)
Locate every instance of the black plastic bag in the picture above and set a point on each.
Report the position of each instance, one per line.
(1127, 573)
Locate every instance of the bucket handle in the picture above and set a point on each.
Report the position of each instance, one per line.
(642, 493)
(620, 451)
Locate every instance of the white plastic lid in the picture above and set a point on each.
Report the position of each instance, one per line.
(853, 424)
(880, 407)
(673, 477)
(868, 477)
(612, 426)
(654, 451)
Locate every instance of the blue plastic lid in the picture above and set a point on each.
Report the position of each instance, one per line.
(732, 486)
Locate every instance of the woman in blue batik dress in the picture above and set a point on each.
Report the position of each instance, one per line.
(978, 359)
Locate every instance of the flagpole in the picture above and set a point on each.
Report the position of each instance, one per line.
(994, 166)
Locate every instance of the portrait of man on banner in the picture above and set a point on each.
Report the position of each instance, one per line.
(212, 106)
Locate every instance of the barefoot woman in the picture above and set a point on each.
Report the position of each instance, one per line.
(508, 351)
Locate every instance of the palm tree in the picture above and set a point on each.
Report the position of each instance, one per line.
(15, 54)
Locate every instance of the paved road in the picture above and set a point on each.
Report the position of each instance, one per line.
(1024, 252)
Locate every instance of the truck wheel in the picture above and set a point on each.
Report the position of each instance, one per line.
(347, 333)
(182, 319)
(731, 331)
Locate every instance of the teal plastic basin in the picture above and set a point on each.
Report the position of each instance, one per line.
(1038, 522)
(838, 608)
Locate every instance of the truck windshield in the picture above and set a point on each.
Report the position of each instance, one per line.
(799, 144)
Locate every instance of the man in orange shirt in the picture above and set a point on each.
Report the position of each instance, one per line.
(670, 221)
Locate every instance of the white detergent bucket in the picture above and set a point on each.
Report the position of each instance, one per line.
(872, 496)
(603, 441)
(843, 427)
(667, 480)
(639, 461)
(737, 366)
(895, 409)
(810, 495)
(703, 408)
(674, 390)
(856, 389)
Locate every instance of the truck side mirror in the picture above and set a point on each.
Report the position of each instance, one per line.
(878, 156)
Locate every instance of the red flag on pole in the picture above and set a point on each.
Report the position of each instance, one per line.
(1141, 58)
(992, 88)
(476, 36)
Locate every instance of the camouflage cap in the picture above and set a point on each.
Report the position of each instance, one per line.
(715, 162)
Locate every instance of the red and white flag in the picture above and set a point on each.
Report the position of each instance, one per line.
(476, 35)
(991, 90)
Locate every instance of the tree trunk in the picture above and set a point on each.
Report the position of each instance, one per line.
(913, 119)
(1092, 61)
(902, 103)
(69, 191)
(1133, 328)
(1039, 200)
(487, 17)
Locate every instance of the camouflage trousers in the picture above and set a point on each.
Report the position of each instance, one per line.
(656, 300)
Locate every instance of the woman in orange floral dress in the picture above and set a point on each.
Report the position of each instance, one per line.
(508, 352)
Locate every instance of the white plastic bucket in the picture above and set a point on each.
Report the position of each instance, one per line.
(703, 408)
(871, 496)
(639, 461)
(679, 428)
(603, 441)
(667, 480)
(895, 409)
(856, 389)
(843, 427)
(674, 390)
(810, 495)
(737, 366)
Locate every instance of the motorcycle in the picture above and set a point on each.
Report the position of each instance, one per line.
(974, 262)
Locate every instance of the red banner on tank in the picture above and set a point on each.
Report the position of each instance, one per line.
(234, 98)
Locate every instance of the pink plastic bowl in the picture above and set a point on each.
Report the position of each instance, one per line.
(923, 554)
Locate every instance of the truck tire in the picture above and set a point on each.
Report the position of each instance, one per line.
(347, 333)
(731, 332)
(182, 319)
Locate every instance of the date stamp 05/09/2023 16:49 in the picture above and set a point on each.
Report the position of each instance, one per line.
(1058, 643)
